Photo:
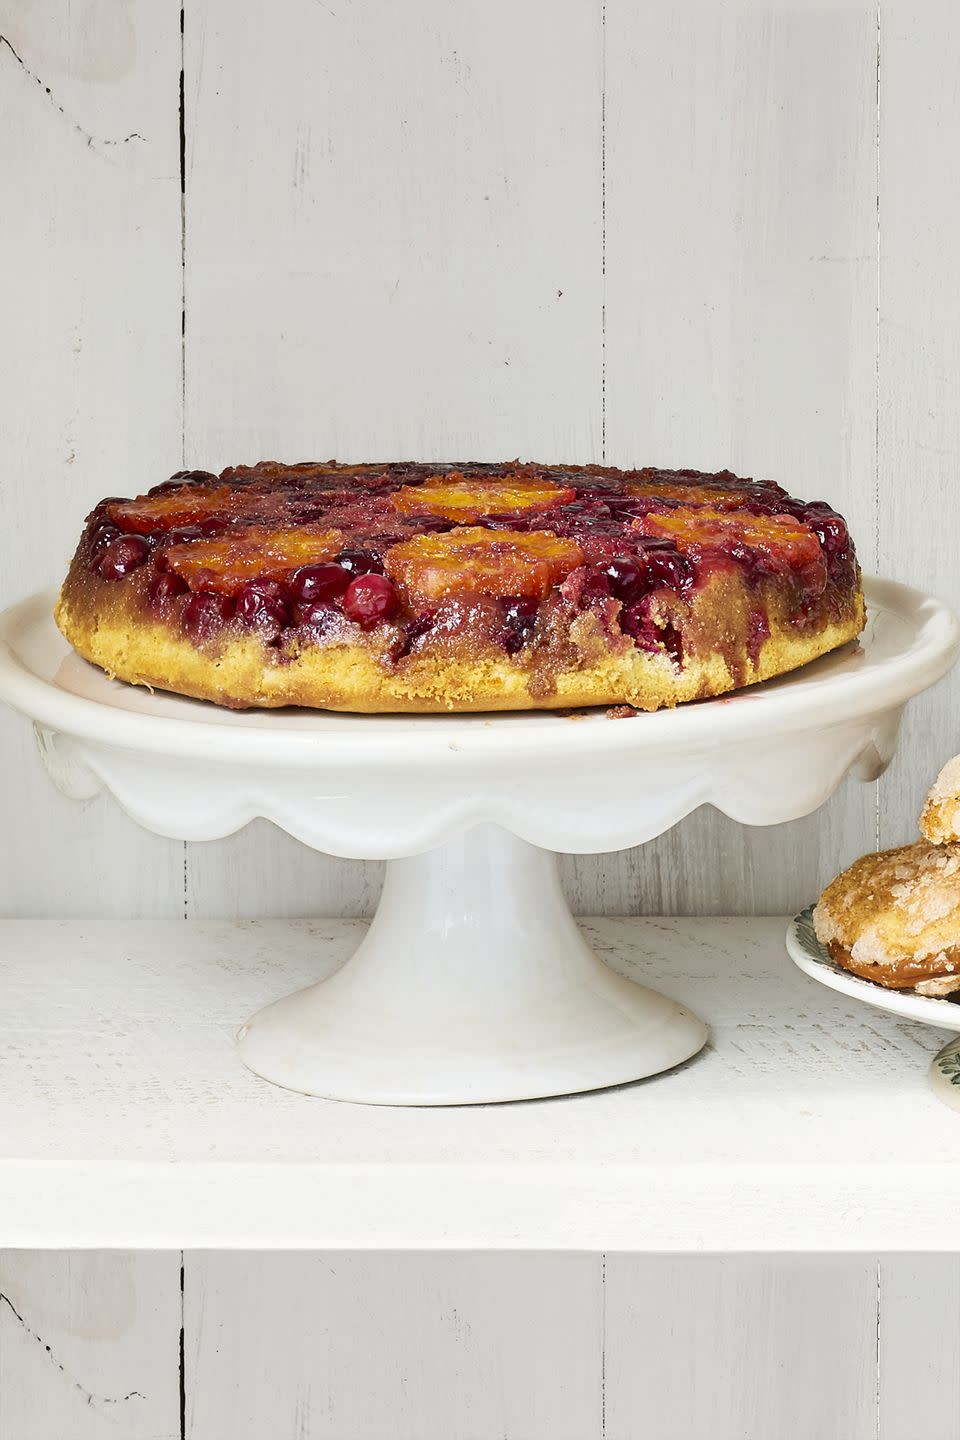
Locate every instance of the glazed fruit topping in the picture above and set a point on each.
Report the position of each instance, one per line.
(323, 583)
(360, 562)
(185, 477)
(370, 599)
(476, 561)
(714, 496)
(165, 586)
(650, 632)
(122, 555)
(205, 615)
(668, 568)
(455, 497)
(765, 543)
(262, 606)
(627, 577)
(182, 505)
(520, 618)
(255, 553)
(829, 527)
(476, 549)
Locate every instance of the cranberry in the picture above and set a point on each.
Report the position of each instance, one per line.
(627, 575)
(99, 511)
(262, 606)
(669, 568)
(186, 477)
(638, 623)
(411, 634)
(318, 582)
(100, 538)
(164, 586)
(595, 587)
(420, 626)
(183, 534)
(369, 599)
(829, 529)
(360, 562)
(520, 616)
(635, 621)
(423, 523)
(122, 555)
(317, 617)
(205, 613)
(506, 522)
(211, 526)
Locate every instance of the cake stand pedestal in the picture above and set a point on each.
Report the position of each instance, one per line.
(474, 983)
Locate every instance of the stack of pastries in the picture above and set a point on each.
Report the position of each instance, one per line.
(894, 917)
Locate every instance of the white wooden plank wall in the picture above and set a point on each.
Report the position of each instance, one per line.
(89, 378)
(741, 1348)
(89, 1346)
(393, 227)
(478, 1347)
(741, 276)
(639, 229)
(919, 355)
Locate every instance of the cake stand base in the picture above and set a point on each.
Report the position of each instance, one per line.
(473, 984)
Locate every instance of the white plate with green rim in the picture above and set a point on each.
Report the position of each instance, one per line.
(806, 952)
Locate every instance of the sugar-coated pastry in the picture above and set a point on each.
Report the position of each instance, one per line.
(405, 587)
(940, 821)
(895, 918)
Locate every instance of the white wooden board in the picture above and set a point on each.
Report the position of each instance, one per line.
(126, 1117)
(439, 1346)
(919, 356)
(741, 278)
(410, 1347)
(89, 379)
(741, 1348)
(640, 229)
(919, 1339)
(408, 264)
(89, 1346)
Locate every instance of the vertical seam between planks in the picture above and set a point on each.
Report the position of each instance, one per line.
(603, 230)
(603, 1345)
(183, 244)
(876, 437)
(183, 321)
(183, 1372)
(879, 1422)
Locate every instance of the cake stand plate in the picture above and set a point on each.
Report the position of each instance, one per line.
(473, 984)
(806, 951)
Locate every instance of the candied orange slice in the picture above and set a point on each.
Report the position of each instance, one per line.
(475, 561)
(226, 563)
(689, 494)
(457, 497)
(173, 508)
(779, 537)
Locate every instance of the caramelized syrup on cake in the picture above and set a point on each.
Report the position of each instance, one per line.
(474, 555)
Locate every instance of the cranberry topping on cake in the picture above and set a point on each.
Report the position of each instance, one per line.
(455, 497)
(256, 553)
(475, 561)
(542, 567)
(178, 505)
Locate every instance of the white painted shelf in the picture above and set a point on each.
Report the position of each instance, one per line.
(127, 1119)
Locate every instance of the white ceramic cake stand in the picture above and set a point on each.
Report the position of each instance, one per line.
(473, 984)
